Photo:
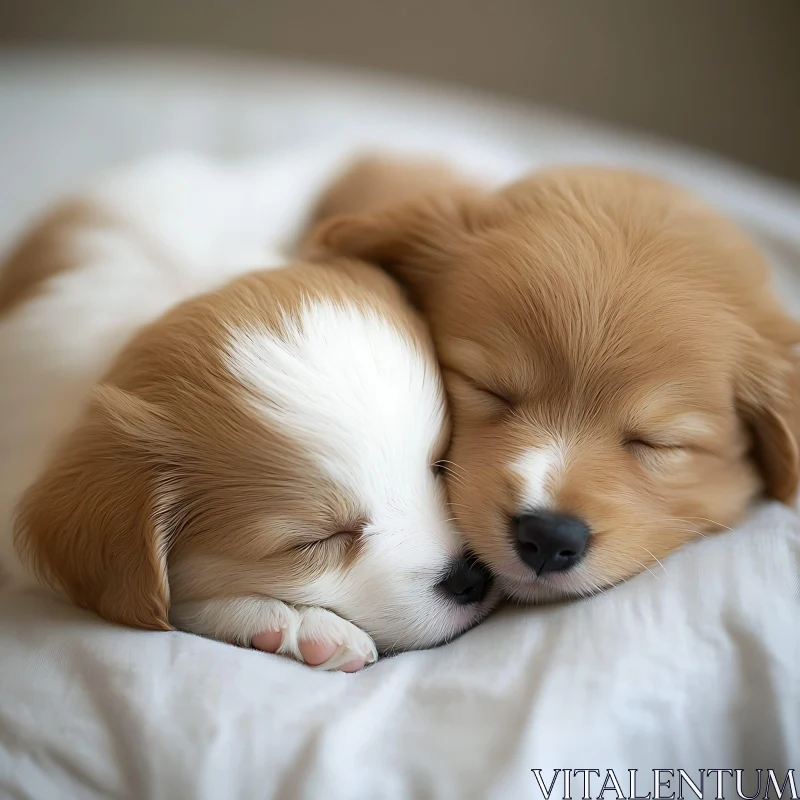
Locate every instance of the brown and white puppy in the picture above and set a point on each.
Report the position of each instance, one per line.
(258, 463)
(621, 374)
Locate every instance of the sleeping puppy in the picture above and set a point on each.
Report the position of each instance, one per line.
(620, 373)
(258, 463)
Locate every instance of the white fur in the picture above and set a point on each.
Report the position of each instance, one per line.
(367, 407)
(539, 470)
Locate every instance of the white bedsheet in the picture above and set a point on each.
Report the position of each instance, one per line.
(694, 665)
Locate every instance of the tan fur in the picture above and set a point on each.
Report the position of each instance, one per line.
(374, 182)
(169, 471)
(595, 308)
(53, 248)
(46, 252)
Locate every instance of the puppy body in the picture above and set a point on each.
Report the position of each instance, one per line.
(89, 275)
(256, 463)
(614, 356)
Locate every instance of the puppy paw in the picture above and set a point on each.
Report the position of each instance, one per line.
(326, 641)
(314, 636)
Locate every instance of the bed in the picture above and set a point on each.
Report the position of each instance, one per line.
(694, 665)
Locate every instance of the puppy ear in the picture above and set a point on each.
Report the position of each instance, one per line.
(94, 523)
(768, 396)
(408, 219)
(373, 183)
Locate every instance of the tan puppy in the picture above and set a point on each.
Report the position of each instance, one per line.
(621, 374)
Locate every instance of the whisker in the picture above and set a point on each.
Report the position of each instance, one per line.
(644, 566)
(689, 530)
(692, 530)
(453, 465)
(687, 520)
(659, 562)
(712, 521)
(457, 478)
(450, 470)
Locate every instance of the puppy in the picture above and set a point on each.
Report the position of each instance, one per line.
(620, 373)
(257, 463)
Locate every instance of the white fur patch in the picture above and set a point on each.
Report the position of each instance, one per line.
(354, 389)
(539, 469)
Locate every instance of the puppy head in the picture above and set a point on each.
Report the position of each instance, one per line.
(278, 438)
(621, 377)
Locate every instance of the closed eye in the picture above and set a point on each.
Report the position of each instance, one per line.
(639, 442)
(351, 530)
(500, 398)
(491, 393)
(343, 534)
(655, 454)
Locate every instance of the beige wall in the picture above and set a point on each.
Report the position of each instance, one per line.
(722, 74)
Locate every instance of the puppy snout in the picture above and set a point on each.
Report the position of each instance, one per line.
(467, 581)
(548, 541)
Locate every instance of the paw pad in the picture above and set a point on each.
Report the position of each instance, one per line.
(268, 641)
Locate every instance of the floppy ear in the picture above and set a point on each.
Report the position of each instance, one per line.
(413, 242)
(768, 397)
(408, 218)
(94, 523)
(374, 182)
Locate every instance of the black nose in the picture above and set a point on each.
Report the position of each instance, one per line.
(549, 542)
(467, 582)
